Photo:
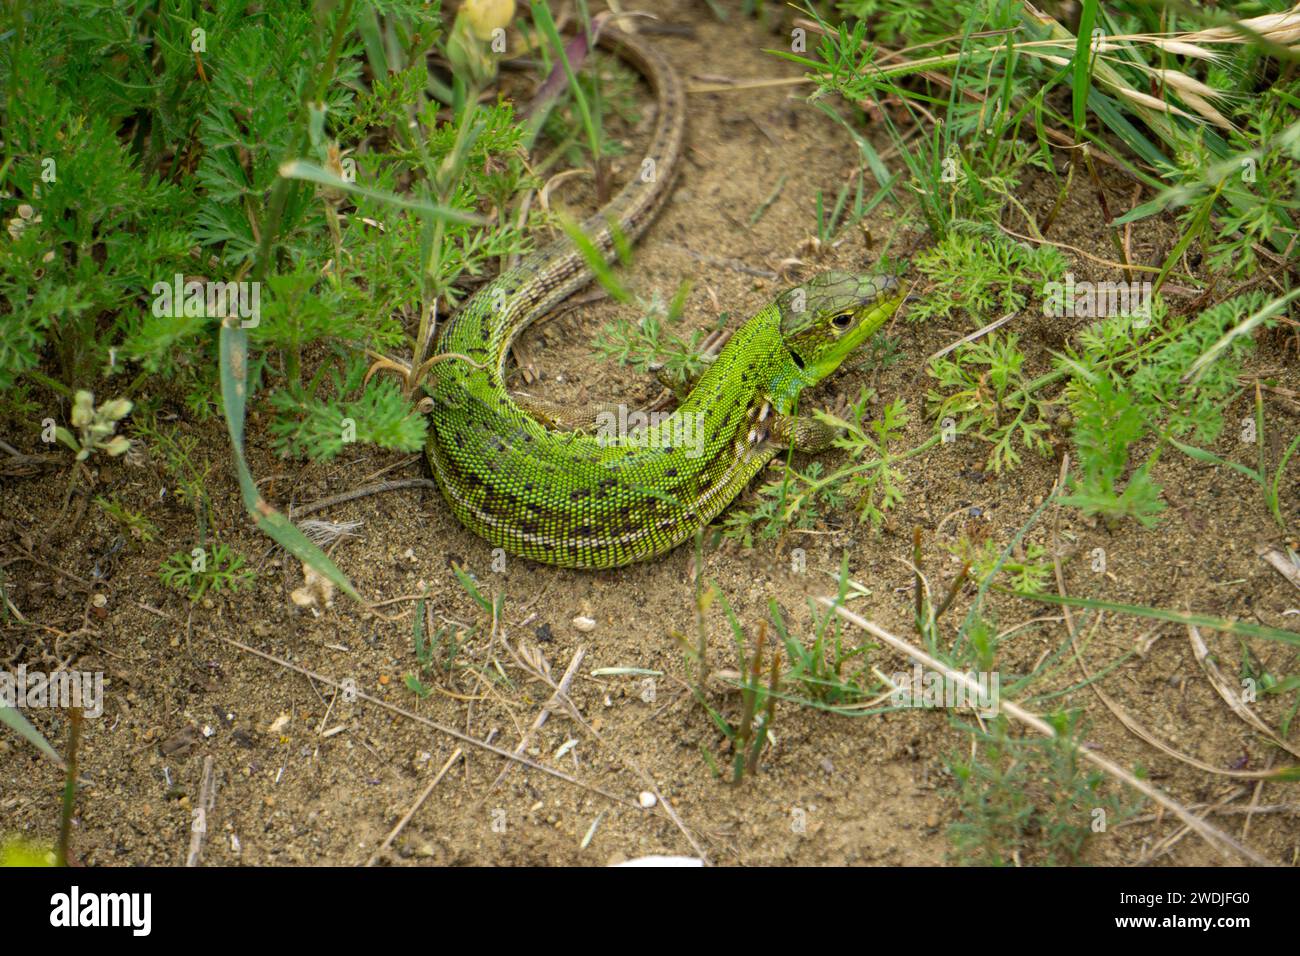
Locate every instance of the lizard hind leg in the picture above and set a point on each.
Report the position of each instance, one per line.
(563, 416)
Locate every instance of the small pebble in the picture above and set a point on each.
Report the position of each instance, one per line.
(647, 799)
(584, 624)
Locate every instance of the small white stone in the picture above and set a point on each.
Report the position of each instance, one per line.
(584, 624)
(647, 799)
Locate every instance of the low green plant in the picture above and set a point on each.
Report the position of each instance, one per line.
(1021, 800)
(871, 481)
(982, 390)
(1026, 800)
(768, 516)
(654, 342)
(184, 463)
(882, 352)
(891, 21)
(966, 168)
(203, 570)
(1026, 569)
(1137, 377)
(982, 273)
(874, 483)
(137, 525)
(1108, 424)
(1278, 685)
(819, 667)
(1251, 177)
(336, 410)
(433, 653)
(150, 148)
(749, 732)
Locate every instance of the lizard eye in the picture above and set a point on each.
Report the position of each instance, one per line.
(843, 320)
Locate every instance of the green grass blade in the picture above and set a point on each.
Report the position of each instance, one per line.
(1245, 327)
(546, 24)
(13, 718)
(310, 172)
(1210, 458)
(234, 396)
(1241, 628)
(1081, 80)
(595, 259)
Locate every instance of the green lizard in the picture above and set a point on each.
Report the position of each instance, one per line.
(578, 499)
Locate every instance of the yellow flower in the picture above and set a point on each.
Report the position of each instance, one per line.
(485, 16)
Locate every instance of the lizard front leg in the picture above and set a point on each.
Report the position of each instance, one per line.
(807, 434)
(803, 433)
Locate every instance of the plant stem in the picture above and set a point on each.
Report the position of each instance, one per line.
(69, 788)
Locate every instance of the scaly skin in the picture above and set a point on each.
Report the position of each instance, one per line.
(611, 498)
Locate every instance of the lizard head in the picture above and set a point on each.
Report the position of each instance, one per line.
(826, 318)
